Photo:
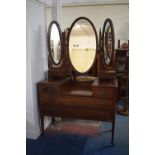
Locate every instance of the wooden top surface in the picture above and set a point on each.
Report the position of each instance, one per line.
(97, 82)
(105, 83)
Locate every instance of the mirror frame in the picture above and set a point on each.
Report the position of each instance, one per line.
(108, 21)
(48, 41)
(95, 32)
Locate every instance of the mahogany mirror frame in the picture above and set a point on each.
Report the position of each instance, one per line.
(95, 32)
(108, 21)
(48, 41)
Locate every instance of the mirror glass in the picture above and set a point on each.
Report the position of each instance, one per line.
(82, 45)
(55, 43)
(108, 43)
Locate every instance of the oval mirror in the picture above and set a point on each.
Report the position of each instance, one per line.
(82, 44)
(108, 41)
(54, 42)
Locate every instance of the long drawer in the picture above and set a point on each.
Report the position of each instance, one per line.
(75, 101)
(84, 113)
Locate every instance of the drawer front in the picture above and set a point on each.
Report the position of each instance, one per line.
(103, 92)
(50, 89)
(83, 113)
(74, 101)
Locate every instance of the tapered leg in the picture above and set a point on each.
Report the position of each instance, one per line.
(42, 124)
(53, 120)
(113, 130)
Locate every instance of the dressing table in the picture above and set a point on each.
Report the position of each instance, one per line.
(73, 89)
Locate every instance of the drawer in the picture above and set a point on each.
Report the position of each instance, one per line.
(84, 113)
(50, 89)
(84, 102)
(103, 92)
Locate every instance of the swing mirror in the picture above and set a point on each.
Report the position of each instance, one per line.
(55, 42)
(82, 44)
(108, 41)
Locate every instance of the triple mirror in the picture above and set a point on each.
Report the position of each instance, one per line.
(82, 43)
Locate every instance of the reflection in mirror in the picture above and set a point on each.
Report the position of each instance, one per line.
(82, 45)
(108, 41)
(108, 44)
(55, 43)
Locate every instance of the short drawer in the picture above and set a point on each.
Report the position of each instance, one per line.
(50, 89)
(103, 92)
